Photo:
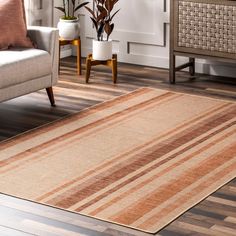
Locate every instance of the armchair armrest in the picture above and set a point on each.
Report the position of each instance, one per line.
(44, 37)
(47, 38)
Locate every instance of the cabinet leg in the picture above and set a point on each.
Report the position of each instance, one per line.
(172, 69)
(192, 66)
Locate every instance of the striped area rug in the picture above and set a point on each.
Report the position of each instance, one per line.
(139, 160)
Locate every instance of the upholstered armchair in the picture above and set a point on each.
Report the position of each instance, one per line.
(25, 70)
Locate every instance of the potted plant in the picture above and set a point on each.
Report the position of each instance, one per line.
(102, 16)
(69, 23)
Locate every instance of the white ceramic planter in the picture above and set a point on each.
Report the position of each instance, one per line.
(68, 29)
(102, 50)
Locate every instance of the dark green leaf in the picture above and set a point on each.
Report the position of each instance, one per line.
(91, 12)
(81, 5)
(100, 29)
(61, 9)
(114, 14)
(94, 23)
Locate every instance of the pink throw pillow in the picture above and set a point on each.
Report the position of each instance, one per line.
(13, 30)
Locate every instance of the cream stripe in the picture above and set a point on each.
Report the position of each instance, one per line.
(171, 174)
(57, 147)
(59, 131)
(158, 139)
(47, 150)
(184, 192)
(178, 211)
(150, 174)
(71, 140)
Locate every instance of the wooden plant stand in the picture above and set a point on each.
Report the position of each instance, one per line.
(111, 63)
(74, 42)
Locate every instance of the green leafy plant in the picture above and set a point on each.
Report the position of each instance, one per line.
(72, 5)
(102, 17)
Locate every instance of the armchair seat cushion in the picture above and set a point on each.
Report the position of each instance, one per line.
(19, 65)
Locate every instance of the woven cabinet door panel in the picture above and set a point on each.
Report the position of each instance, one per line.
(207, 27)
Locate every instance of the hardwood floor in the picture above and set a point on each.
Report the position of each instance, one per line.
(216, 215)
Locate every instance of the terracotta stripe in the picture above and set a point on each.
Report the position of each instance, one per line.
(149, 169)
(130, 215)
(85, 128)
(110, 125)
(98, 180)
(123, 169)
(155, 219)
(138, 148)
(99, 107)
(147, 181)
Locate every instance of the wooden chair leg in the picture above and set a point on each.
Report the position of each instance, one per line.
(50, 96)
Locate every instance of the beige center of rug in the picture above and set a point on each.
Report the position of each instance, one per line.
(139, 160)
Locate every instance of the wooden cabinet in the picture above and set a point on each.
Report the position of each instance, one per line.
(202, 29)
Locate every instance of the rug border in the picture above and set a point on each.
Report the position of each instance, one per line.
(118, 224)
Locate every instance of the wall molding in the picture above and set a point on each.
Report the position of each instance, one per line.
(39, 12)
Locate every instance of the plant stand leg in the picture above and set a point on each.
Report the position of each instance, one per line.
(79, 57)
(112, 63)
(114, 68)
(59, 59)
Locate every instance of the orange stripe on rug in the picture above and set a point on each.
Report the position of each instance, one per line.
(140, 147)
(122, 169)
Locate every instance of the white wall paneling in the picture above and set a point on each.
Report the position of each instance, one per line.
(39, 12)
(140, 33)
